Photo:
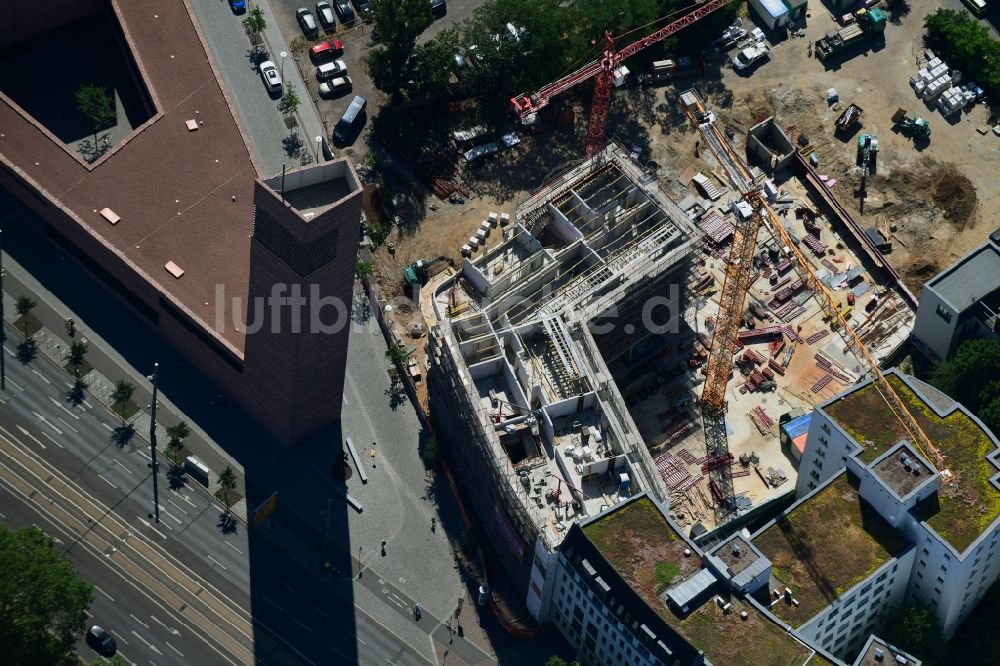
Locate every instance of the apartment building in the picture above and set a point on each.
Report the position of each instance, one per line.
(949, 512)
(629, 588)
(961, 302)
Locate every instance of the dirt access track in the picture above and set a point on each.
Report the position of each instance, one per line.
(942, 199)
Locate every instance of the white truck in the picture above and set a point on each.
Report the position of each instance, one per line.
(750, 54)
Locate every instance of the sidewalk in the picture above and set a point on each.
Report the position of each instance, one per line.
(53, 342)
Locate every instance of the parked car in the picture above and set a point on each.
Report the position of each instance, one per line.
(238, 6)
(364, 8)
(325, 14)
(306, 21)
(336, 86)
(351, 121)
(328, 70)
(101, 641)
(333, 48)
(439, 8)
(269, 73)
(461, 66)
(344, 11)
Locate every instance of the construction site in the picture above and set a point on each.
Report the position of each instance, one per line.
(569, 355)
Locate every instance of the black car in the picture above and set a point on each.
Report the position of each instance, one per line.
(439, 7)
(101, 641)
(344, 11)
(364, 8)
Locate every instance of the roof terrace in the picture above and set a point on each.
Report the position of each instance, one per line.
(967, 502)
(824, 546)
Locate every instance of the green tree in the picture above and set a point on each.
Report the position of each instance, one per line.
(559, 661)
(176, 434)
(915, 629)
(75, 356)
(399, 22)
(289, 101)
(227, 484)
(970, 372)
(24, 306)
(397, 355)
(363, 268)
(122, 393)
(254, 24)
(94, 102)
(43, 601)
(431, 64)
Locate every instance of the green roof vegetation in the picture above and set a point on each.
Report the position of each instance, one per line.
(648, 554)
(966, 503)
(824, 547)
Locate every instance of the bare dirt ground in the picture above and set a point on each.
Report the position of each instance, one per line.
(941, 199)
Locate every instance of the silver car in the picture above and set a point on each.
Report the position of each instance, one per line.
(337, 86)
(269, 73)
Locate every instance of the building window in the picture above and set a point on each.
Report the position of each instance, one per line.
(943, 313)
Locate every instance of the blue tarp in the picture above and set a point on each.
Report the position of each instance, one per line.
(798, 426)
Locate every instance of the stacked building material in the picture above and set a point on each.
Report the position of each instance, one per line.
(783, 266)
(815, 244)
(753, 356)
(735, 474)
(795, 312)
(756, 333)
(821, 384)
(717, 462)
(689, 458)
(680, 431)
(673, 473)
(830, 266)
(791, 333)
(717, 229)
(777, 367)
(817, 336)
(768, 373)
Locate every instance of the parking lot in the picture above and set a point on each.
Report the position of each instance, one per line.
(357, 42)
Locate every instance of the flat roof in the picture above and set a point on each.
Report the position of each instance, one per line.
(889, 653)
(640, 543)
(172, 188)
(737, 554)
(823, 546)
(902, 471)
(971, 278)
(966, 503)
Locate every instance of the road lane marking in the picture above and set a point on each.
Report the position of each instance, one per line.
(186, 499)
(177, 507)
(271, 602)
(148, 644)
(44, 378)
(303, 624)
(106, 481)
(173, 648)
(109, 428)
(318, 610)
(234, 548)
(290, 588)
(28, 434)
(63, 407)
(161, 623)
(217, 562)
(52, 439)
(138, 620)
(16, 385)
(115, 460)
(173, 518)
(66, 423)
(104, 593)
(143, 521)
(46, 422)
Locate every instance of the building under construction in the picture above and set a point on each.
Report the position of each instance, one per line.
(566, 358)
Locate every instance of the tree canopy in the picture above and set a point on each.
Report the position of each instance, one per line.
(399, 23)
(972, 376)
(913, 628)
(966, 44)
(43, 602)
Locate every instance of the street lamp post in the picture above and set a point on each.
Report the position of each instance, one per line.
(152, 442)
(283, 54)
(319, 147)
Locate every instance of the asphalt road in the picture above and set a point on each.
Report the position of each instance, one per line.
(289, 615)
(145, 630)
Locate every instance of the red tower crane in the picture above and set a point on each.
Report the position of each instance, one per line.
(603, 68)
